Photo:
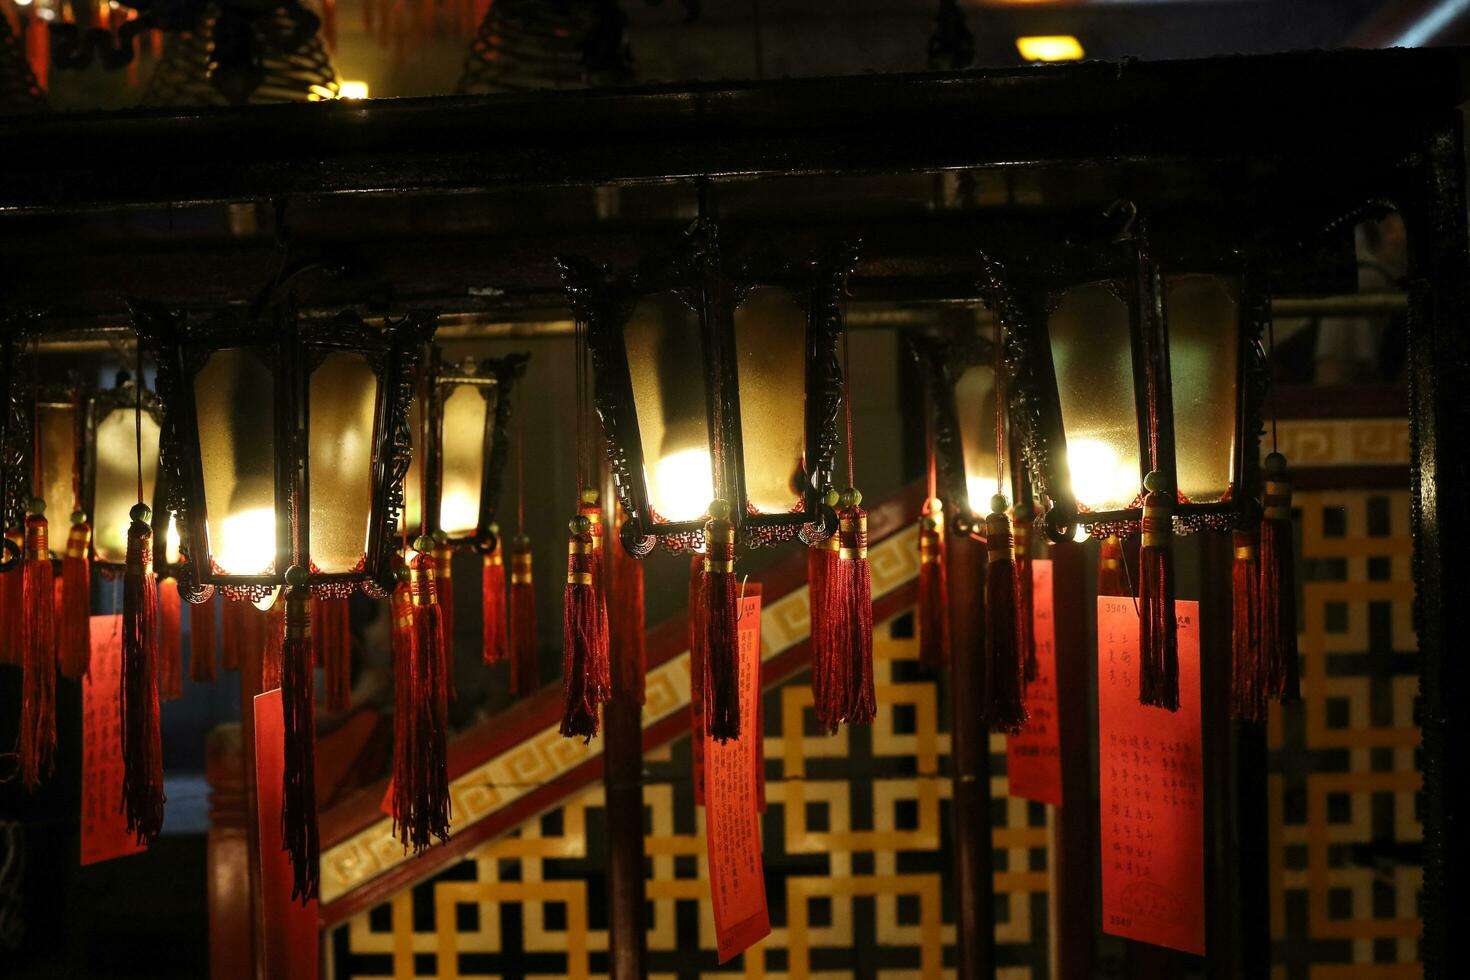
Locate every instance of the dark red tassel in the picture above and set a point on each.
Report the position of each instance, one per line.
(1004, 670)
(625, 620)
(170, 641)
(201, 640)
(591, 508)
(830, 665)
(142, 750)
(12, 601)
(38, 649)
(1025, 610)
(1278, 584)
(698, 669)
(269, 634)
(299, 834)
(1249, 677)
(331, 644)
(721, 618)
(1110, 578)
(444, 589)
(933, 589)
(525, 672)
(74, 636)
(854, 593)
(236, 632)
(492, 605)
(586, 677)
(421, 774)
(1158, 662)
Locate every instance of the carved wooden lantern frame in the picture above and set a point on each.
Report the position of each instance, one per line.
(290, 352)
(1026, 296)
(122, 400)
(495, 380)
(712, 283)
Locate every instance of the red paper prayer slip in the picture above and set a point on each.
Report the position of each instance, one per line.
(290, 927)
(1150, 788)
(104, 826)
(731, 813)
(1034, 755)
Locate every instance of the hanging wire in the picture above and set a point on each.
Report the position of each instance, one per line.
(847, 404)
(1271, 379)
(138, 420)
(1000, 401)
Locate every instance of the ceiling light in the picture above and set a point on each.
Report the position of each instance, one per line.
(1060, 47)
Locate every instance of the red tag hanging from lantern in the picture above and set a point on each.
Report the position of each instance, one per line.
(1150, 786)
(1033, 754)
(105, 833)
(732, 816)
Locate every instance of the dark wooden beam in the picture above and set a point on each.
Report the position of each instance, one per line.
(1292, 107)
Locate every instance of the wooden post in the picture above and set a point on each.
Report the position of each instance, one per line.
(970, 761)
(622, 778)
(250, 664)
(231, 946)
(1439, 372)
(1075, 851)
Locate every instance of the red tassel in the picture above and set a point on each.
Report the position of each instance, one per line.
(830, 664)
(854, 591)
(444, 588)
(933, 589)
(299, 834)
(626, 622)
(233, 619)
(331, 645)
(721, 618)
(1249, 677)
(1110, 568)
(525, 672)
(269, 633)
(38, 648)
(201, 640)
(698, 639)
(1158, 665)
(1025, 610)
(170, 641)
(591, 508)
(492, 605)
(142, 750)
(1004, 669)
(586, 680)
(421, 775)
(1278, 584)
(12, 601)
(74, 639)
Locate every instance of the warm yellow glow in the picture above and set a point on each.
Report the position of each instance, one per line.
(1080, 534)
(1058, 47)
(352, 90)
(1098, 473)
(683, 485)
(249, 545)
(458, 512)
(22, 3)
(269, 600)
(171, 541)
(980, 489)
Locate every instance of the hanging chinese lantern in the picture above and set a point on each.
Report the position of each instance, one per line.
(466, 452)
(969, 432)
(719, 386)
(1138, 387)
(285, 447)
